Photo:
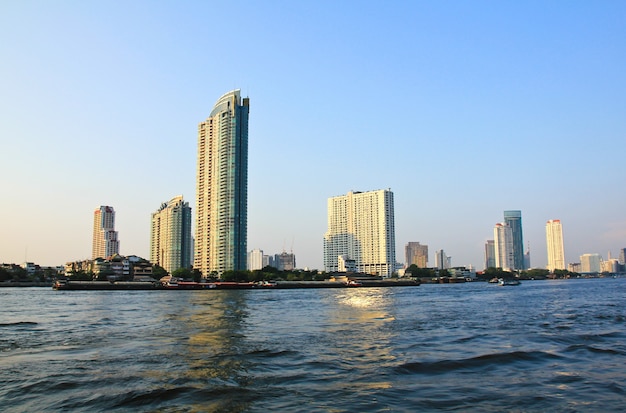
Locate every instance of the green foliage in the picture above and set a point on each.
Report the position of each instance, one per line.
(184, 273)
(536, 273)
(492, 272)
(417, 272)
(158, 272)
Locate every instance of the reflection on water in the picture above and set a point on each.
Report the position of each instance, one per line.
(542, 346)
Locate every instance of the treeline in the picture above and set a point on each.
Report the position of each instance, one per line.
(266, 274)
(19, 274)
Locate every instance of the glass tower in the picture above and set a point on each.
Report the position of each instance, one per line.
(222, 187)
(514, 220)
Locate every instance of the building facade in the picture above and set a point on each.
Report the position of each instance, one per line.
(255, 260)
(170, 235)
(105, 242)
(503, 246)
(285, 261)
(514, 220)
(554, 243)
(222, 187)
(490, 254)
(361, 227)
(442, 261)
(416, 253)
(590, 263)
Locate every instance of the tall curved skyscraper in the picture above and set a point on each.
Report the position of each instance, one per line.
(222, 187)
(514, 220)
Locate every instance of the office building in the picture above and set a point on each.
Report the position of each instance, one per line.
(514, 220)
(417, 254)
(361, 228)
(255, 260)
(222, 187)
(590, 263)
(285, 261)
(490, 254)
(503, 246)
(554, 243)
(442, 261)
(170, 235)
(622, 256)
(105, 242)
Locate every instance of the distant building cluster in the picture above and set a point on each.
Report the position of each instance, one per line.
(361, 226)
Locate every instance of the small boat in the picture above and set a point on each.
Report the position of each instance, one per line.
(503, 282)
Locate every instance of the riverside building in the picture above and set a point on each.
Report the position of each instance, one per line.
(222, 187)
(361, 228)
(514, 220)
(105, 242)
(170, 235)
(554, 243)
(416, 253)
(503, 246)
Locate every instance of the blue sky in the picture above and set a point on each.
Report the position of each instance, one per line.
(463, 108)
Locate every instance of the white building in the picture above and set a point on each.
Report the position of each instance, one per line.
(255, 260)
(442, 261)
(554, 242)
(503, 245)
(361, 227)
(105, 242)
(590, 263)
(170, 235)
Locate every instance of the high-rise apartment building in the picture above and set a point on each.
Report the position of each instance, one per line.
(490, 254)
(503, 246)
(416, 253)
(554, 243)
(514, 220)
(590, 263)
(170, 235)
(361, 228)
(105, 242)
(442, 261)
(222, 187)
(255, 260)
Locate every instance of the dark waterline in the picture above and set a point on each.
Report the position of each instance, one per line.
(543, 346)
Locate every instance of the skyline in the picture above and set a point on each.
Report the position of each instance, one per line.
(462, 110)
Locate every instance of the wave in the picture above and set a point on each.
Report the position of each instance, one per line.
(497, 359)
(19, 323)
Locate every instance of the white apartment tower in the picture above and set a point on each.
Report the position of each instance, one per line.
(554, 243)
(170, 235)
(255, 260)
(105, 242)
(503, 246)
(361, 228)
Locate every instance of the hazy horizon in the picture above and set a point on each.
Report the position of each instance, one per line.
(463, 109)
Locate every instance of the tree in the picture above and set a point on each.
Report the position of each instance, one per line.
(158, 272)
(182, 273)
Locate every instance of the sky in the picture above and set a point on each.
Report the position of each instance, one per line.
(463, 109)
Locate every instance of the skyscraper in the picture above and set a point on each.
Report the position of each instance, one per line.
(170, 235)
(514, 220)
(442, 261)
(490, 254)
(222, 187)
(361, 227)
(105, 242)
(554, 243)
(590, 263)
(416, 253)
(503, 246)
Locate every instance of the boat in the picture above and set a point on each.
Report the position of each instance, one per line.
(503, 282)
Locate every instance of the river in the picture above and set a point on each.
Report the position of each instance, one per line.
(556, 346)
